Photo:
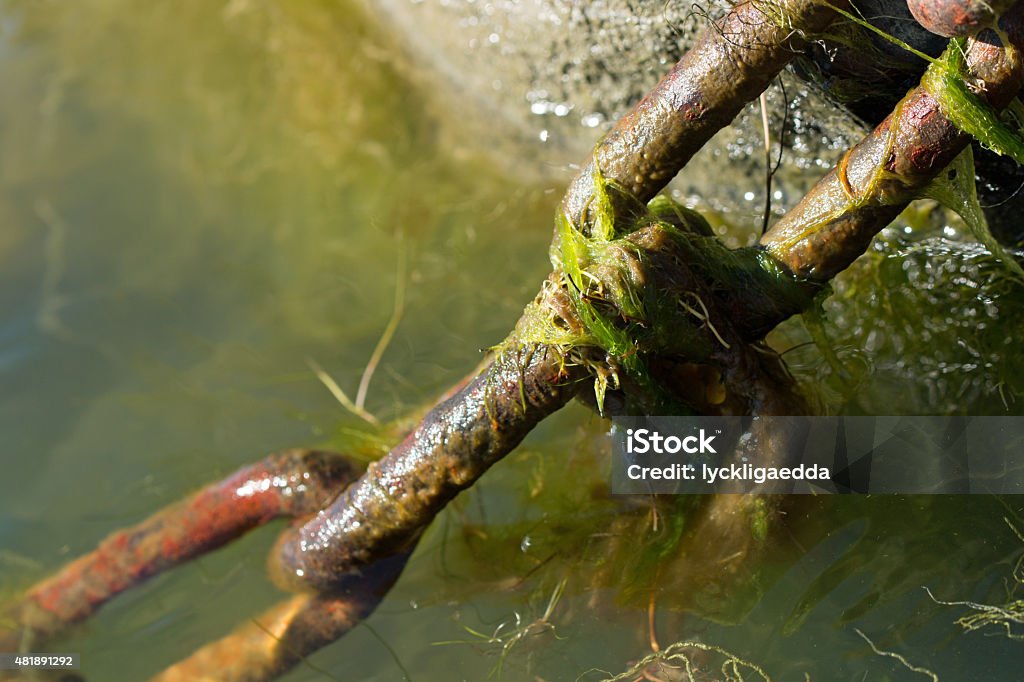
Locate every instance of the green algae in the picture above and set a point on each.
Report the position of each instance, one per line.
(645, 281)
(946, 79)
(955, 189)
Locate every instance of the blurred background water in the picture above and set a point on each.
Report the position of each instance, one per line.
(198, 199)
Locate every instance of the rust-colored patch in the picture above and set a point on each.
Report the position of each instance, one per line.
(212, 517)
(693, 111)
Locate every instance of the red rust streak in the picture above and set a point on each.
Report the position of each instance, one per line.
(288, 484)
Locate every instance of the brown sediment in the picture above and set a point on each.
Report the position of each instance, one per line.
(732, 63)
(835, 222)
(383, 513)
(290, 483)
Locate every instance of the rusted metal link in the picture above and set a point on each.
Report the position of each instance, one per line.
(276, 641)
(346, 558)
(384, 512)
(387, 509)
(731, 63)
(835, 222)
(293, 483)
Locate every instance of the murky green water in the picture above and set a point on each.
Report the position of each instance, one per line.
(197, 199)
